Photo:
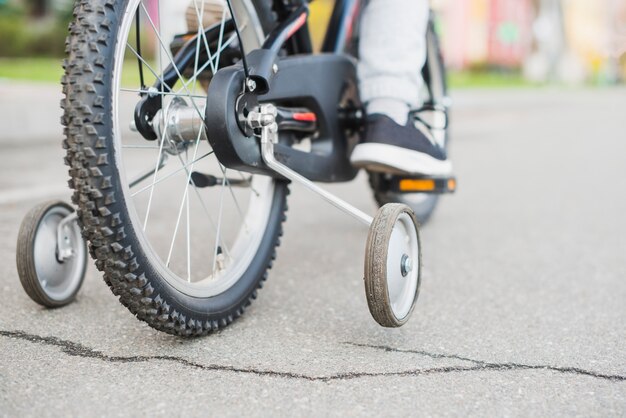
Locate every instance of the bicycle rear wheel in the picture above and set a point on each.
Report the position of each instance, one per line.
(183, 241)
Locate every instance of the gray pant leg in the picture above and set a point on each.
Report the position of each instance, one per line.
(393, 50)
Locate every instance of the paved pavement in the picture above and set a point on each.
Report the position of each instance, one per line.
(522, 311)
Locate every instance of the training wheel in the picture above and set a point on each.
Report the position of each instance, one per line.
(51, 254)
(393, 265)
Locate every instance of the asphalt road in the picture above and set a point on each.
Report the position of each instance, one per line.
(522, 310)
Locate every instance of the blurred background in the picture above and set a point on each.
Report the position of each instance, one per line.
(524, 265)
(485, 42)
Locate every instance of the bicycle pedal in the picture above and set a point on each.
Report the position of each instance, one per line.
(201, 180)
(433, 185)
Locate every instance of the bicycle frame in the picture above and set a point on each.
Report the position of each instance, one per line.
(339, 32)
(343, 22)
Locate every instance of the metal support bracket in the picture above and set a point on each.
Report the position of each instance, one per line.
(265, 120)
(64, 242)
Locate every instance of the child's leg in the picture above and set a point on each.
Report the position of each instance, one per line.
(392, 52)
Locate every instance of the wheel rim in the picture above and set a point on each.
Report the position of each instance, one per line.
(403, 265)
(58, 280)
(201, 241)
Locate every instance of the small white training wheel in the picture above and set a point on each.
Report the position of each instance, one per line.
(393, 265)
(50, 278)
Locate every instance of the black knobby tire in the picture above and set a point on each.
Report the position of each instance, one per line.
(422, 205)
(102, 210)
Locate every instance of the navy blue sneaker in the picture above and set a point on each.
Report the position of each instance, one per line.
(392, 148)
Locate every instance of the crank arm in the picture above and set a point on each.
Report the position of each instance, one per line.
(150, 173)
(201, 180)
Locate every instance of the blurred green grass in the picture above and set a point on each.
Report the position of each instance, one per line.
(46, 70)
(49, 70)
(486, 79)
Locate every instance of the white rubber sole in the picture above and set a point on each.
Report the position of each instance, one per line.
(389, 158)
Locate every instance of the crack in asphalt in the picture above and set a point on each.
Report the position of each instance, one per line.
(496, 366)
(78, 350)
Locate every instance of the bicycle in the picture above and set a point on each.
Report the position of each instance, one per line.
(235, 101)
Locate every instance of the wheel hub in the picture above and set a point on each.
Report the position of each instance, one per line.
(180, 125)
(401, 271)
(406, 265)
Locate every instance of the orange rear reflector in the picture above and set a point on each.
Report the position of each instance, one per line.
(417, 185)
(452, 185)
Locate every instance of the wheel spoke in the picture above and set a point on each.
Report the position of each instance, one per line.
(200, 17)
(169, 56)
(221, 37)
(180, 211)
(219, 225)
(155, 182)
(188, 234)
(247, 181)
(232, 193)
(210, 57)
(194, 78)
(208, 63)
(156, 170)
(206, 42)
(144, 176)
(202, 203)
(161, 82)
(170, 93)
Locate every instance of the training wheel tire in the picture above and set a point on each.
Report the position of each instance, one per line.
(393, 265)
(45, 279)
